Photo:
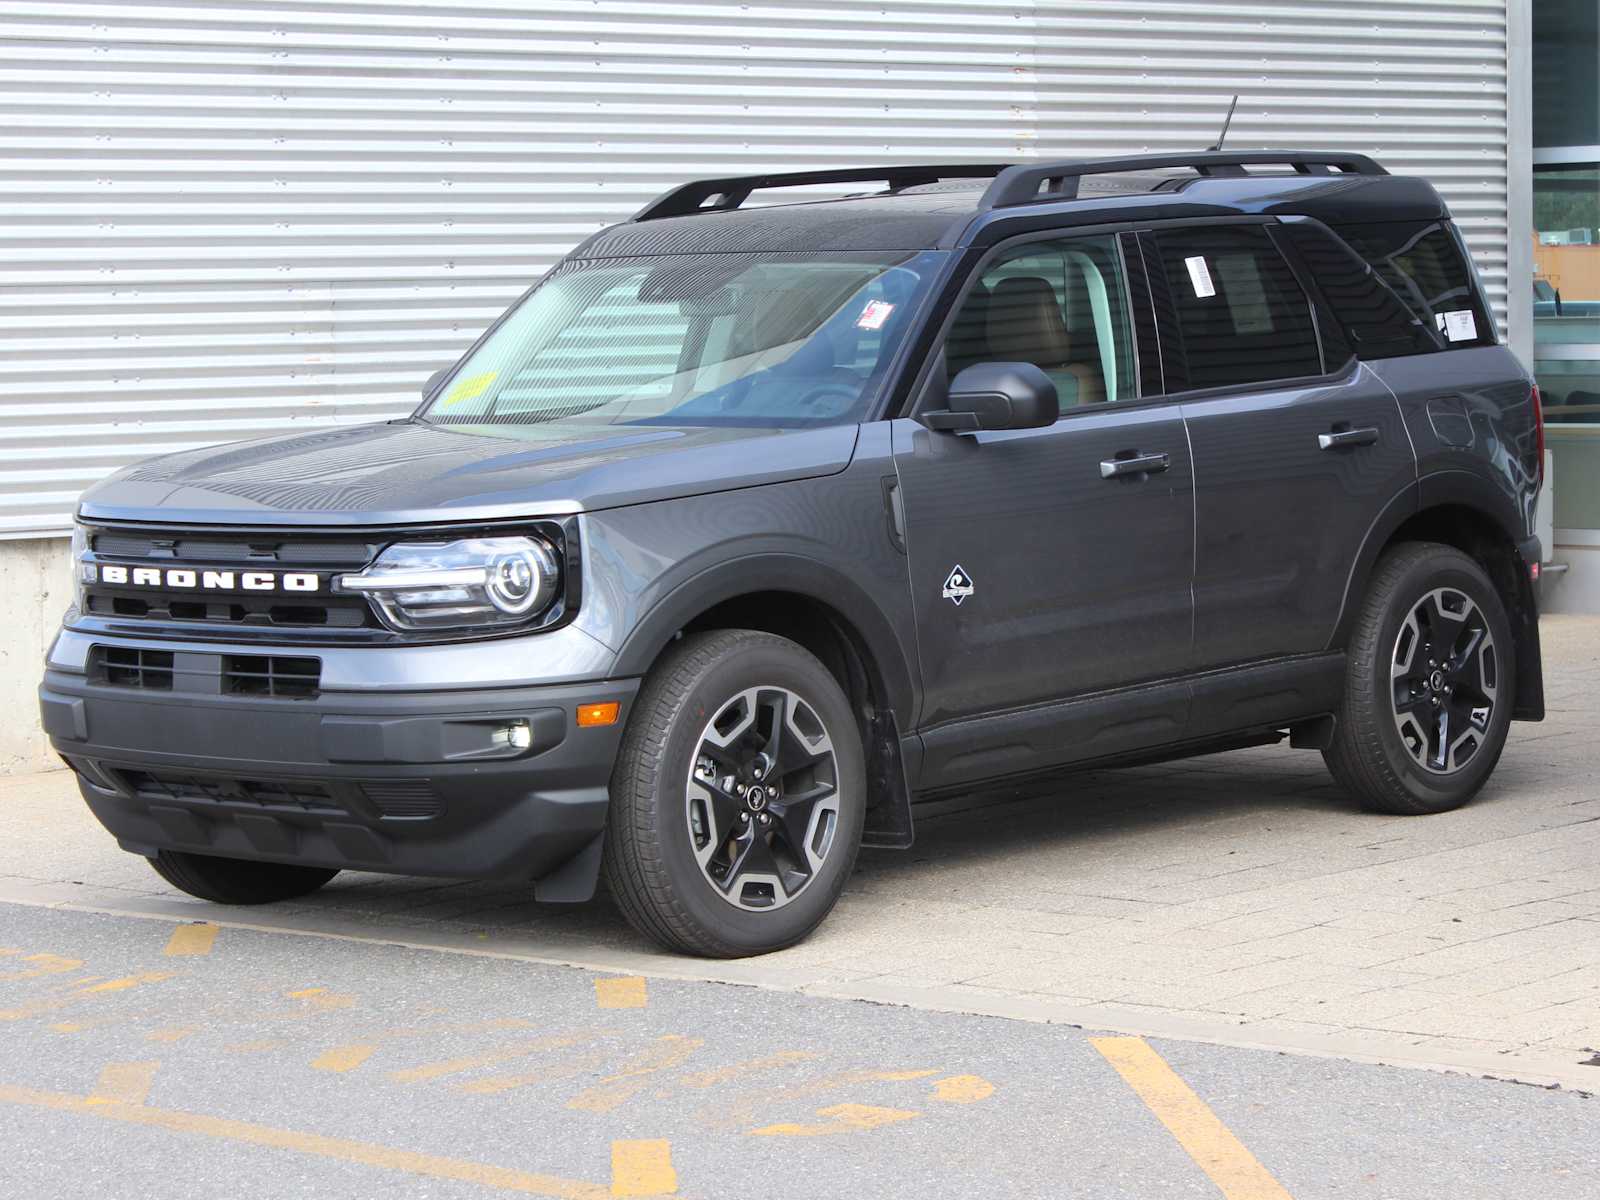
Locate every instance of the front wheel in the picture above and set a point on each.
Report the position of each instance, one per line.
(1429, 680)
(237, 880)
(738, 797)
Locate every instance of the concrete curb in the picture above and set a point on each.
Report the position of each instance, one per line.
(1377, 1048)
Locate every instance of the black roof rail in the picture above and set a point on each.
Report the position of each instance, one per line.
(724, 195)
(1020, 184)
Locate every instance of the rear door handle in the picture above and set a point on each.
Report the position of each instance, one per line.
(1341, 439)
(1132, 463)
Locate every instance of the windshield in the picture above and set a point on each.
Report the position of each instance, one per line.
(694, 339)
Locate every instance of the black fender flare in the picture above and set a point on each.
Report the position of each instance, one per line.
(1401, 508)
(746, 574)
(1464, 489)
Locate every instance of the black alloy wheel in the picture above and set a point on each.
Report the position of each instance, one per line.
(762, 799)
(1446, 680)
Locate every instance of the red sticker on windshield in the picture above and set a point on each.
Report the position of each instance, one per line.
(874, 314)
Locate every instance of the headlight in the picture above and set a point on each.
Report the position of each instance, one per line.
(472, 583)
(82, 572)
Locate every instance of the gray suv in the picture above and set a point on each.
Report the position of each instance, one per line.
(751, 526)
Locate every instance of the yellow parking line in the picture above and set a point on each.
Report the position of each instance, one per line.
(455, 1066)
(668, 1052)
(37, 1008)
(191, 939)
(842, 1118)
(128, 981)
(962, 1089)
(45, 964)
(1203, 1136)
(343, 1058)
(124, 1083)
(342, 1149)
(643, 1169)
(626, 992)
(717, 1076)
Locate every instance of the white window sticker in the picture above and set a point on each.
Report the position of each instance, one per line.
(1460, 326)
(1200, 276)
(874, 314)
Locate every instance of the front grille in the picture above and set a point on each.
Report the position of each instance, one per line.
(132, 667)
(335, 612)
(189, 548)
(301, 795)
(228, 606)
(271, 675)
(407, 798)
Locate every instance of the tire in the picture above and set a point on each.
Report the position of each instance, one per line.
(237, 880)
(661, 866)
(1386, 745)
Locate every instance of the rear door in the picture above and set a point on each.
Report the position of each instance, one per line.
(1298, 448)
(1046, 564)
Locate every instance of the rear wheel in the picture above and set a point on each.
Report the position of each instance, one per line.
(237, 880)
(1429, 681)
(738, 797)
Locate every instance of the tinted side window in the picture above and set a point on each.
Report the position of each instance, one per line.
(1241, 316)
(1061, 305)
(1377, 322)
(1426, 267)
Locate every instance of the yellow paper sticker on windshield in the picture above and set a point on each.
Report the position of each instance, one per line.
(470, 388)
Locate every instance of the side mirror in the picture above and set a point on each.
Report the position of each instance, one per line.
(435, 380)
(998, 395)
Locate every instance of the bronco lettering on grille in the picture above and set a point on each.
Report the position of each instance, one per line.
(184, 579)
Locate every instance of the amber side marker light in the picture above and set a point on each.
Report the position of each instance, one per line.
(598, 714)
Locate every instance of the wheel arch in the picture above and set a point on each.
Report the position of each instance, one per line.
(1461, 510)
(832, 617)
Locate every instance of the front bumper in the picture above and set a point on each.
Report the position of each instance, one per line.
(400, 781)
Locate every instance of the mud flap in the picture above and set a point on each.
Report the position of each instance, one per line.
(575, 880)
(888, 823)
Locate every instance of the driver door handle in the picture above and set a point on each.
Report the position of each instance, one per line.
(1340, 439)
(1133, 463)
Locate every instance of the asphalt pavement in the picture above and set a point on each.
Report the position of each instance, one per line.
(149, 1057)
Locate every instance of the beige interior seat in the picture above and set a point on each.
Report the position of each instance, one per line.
(1025, 325)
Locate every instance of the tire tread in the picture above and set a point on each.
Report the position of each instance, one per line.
(237, 881)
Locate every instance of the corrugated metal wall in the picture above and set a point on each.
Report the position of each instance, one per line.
(227, 219)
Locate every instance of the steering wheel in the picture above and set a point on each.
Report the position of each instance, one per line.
(842, 384)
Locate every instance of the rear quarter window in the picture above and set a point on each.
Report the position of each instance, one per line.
(1376, 321)
(1427, 268)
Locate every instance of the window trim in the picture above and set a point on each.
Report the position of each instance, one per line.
(928, 389)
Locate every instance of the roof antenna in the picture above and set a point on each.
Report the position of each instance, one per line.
(1226, 121)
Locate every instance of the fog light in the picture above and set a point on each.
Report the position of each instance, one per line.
(516, 735)
(598, 714)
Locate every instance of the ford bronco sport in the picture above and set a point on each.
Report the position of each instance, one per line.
(751, 525)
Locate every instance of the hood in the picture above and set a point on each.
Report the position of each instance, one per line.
(409, 473)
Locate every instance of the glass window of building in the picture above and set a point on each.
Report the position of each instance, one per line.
(1566, 252)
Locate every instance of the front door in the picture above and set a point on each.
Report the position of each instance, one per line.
(1049, 565)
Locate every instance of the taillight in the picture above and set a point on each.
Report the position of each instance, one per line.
(1538, 432)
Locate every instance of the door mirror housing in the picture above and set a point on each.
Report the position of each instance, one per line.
(998, 395)
(434, 381)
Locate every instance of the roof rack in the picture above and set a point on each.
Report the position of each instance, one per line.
(1021, 184)
(724, 195)
(1013, 183)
